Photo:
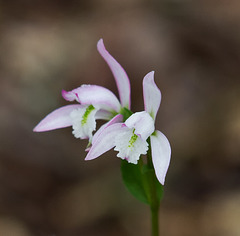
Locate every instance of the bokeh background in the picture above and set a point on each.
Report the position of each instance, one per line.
(46, 187)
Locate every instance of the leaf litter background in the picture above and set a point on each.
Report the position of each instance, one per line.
(46, 187)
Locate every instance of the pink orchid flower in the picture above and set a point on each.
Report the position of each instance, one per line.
(95, 102)
(130, 138)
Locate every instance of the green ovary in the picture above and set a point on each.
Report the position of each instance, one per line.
(132, 140)
(89, 109)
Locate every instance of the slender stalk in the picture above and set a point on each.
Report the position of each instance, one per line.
(154, 210)
(154, 205)
(155, 221)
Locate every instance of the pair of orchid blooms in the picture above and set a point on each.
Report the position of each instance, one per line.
(129, 133)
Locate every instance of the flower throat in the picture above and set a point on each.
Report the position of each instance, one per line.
(89, 109)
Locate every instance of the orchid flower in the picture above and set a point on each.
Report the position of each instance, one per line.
(96, 102)
(130, 134)
(130, 138)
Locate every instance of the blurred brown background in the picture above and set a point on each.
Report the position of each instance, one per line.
(46, 187)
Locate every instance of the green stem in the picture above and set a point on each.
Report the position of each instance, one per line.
(155, 221)
(154, 204)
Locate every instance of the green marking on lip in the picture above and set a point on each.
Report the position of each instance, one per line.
(89, 109)
(132, 140)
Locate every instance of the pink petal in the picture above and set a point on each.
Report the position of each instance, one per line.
(105, 141)
(151, 95)
(142, 122)
(116, 119)
(161, 154)
(93, 94)
(59, 118)
(119, 73)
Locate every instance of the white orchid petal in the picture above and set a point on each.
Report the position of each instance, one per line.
(59, 118)
(142, 122)
(151, 95)
(161, 155)
(83, 122)
(96, 95)
(121, 78)
(105, 141)
(130, 146)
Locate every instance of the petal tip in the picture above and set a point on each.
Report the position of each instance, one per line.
(152, 72)
(100, 45)
(149, 76)
(100, 41)
(161, 181)
(64, 94)
(38, 128)
(35, 129)
(69, 96)
(88, 157)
